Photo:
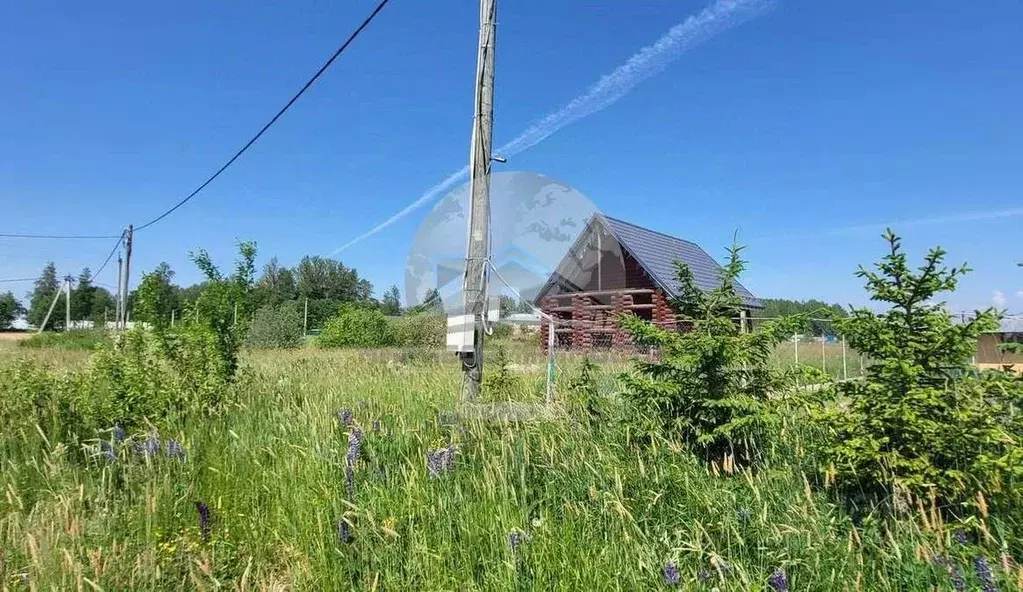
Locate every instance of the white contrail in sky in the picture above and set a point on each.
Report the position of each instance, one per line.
(651, 60)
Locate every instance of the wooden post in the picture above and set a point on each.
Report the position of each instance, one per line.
(845, 368)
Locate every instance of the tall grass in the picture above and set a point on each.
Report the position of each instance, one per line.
(596, 507)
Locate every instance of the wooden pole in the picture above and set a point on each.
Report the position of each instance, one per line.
(305, 318)
(120, 293)
(845, 367)
(67, 303)
(128, 240)
(50, 311)
(480, 158)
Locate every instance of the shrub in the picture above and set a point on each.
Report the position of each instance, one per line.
(219, 312)
(276, 327)
(131, 384)
(83, 339)
(425, 330)
(713, 383)
(921, 419)
(355, 327)
(500, 330)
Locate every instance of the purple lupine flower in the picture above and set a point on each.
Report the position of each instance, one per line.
(671, 575)
(205, 527)
(435, 462)
(175, 450)
(149, 447)
(703, 575)
(778, 581)
(983, 569)
(449, 457)
(354, 445)
(344, 533)
(956, 575)
(515, 538)
(960, 537)
(344, 416)
(350, 481)
(118, 433)
(107, 448)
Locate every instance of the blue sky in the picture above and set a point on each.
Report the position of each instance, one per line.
(805, 129)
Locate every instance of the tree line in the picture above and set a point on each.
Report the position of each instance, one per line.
(326, 283)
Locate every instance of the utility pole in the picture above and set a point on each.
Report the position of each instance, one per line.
(127, 275)
(305, 319)
(474, 287)
(49, 312)
(120, 284)
(67, 303)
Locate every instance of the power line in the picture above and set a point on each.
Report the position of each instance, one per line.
(13, 280)
(323, 68)
(92, 276)
(60, 236)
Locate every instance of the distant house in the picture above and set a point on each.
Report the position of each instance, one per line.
(989, 346)
(615, 267)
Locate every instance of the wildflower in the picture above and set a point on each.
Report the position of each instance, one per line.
(107, 448)
(515, 539)
(960, 537)
(983, 569)
(778, 581)
(376, 426)
(671, 575)
(743, 514)
(150, 447)
(434, 463)
(204, 520)
(344, 417)
(956, 575)
(174, 449)
(354, 445)
(118, 433)
(938, 559)
(440, 460)
(344, 533)
(703, 575)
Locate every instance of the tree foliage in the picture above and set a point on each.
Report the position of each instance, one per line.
(713, 381)
(390, 305)
(818, 313)
(10, 310)
(43, 293)
(922, 419)
(276, 327)
(355, 327)
(222, 306)
(156, 297)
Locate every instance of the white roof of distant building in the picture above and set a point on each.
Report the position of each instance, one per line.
(523, 318)
(1013, 324)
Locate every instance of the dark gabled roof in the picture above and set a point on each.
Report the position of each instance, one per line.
(657, 252)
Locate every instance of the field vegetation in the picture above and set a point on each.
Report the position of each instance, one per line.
(174, 458)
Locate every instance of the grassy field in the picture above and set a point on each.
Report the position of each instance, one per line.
(270, 496)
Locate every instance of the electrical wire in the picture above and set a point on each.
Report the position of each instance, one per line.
(323, 68)
(13, 280)
(103, 266)
(60, 236)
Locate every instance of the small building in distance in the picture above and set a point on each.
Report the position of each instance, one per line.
(989, 346)
(616, 267)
